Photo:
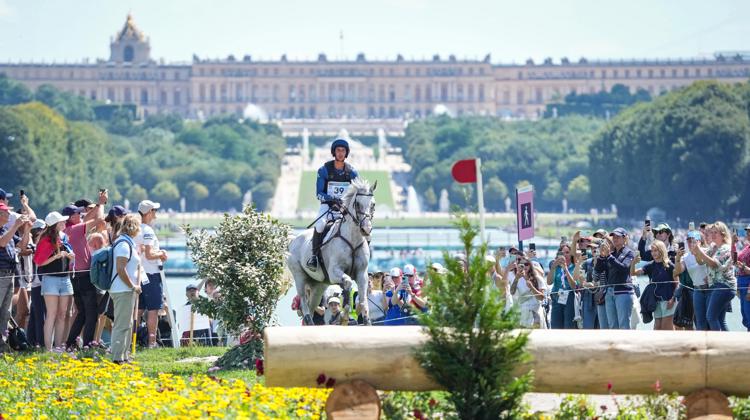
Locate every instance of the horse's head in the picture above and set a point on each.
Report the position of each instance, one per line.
(359, 202)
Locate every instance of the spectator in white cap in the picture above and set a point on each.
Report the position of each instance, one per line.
(337, 317)
(53, 260)
(152, 260)
(410, 273)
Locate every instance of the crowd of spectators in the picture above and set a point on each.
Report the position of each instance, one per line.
(45, 282)
(592, 282)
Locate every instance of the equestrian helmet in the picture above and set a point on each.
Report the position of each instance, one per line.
(339, 143)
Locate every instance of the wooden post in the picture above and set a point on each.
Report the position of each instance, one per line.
(707, 404)
(355, 400)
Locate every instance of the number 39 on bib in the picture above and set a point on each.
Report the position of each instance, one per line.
(337, 189)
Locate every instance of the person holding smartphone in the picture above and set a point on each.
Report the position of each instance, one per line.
(560, 277)
(723, 283)
(662, 232)
(527, 288)
(615, 258)
(661, 271)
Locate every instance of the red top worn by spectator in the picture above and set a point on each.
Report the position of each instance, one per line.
(45, 249)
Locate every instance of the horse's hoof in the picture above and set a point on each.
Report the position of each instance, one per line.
(307, 320)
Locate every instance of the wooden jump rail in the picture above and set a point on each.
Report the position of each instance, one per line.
(705, 366)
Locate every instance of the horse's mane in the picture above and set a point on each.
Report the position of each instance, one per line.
(359, 185)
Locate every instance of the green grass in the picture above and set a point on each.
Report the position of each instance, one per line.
(308, 201)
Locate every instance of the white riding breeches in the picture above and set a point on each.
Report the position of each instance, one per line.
(321, 223)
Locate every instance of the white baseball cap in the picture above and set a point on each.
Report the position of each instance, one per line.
(146, 206)
(395, 272)
(334, 299)
(54, 218)
(438, 268)
(409, 270)
(39, 224)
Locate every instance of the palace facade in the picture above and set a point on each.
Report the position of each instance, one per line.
(361, 88)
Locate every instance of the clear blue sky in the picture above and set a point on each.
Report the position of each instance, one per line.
(69, 30)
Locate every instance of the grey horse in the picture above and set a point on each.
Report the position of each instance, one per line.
(345, 253)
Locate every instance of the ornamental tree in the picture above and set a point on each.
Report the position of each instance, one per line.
(245, 258)
(472, 350)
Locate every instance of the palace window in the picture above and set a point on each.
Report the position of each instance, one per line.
(697, 72)
(128, 95)
(212, 93)
(128, 54)
(177, 97)
(650, 74)
(481, 93)
(163, 97)
(627, 74)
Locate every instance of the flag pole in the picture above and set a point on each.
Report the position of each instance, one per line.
(480, 198)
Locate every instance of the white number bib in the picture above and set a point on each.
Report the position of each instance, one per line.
(337, 189)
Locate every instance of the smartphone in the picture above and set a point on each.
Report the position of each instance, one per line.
(21, 193)
(647, 222)
(681, 245)
(691, 226)
(564, 239)
(102, 190)
(703, 225)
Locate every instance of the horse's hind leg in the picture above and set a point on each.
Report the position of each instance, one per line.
(316, 293)
(300, 282)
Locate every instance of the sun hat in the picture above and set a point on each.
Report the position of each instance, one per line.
(71, 209)
(438, 267)
(694, 234)
(619, 232)
(54, 218)
(395, 272)
(662, 227)
(409, 270)
(334, 299)
(146, 206)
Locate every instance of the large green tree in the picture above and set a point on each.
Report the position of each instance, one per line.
(686, 152)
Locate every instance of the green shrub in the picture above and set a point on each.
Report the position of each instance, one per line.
(472, 350)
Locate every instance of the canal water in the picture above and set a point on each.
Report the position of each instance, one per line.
(391, 248)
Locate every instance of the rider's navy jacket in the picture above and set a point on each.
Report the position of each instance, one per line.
(327, 173)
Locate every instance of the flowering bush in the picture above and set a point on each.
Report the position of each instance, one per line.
(63, 387)
(245, 258)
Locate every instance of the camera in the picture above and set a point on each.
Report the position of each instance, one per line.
(532, 246)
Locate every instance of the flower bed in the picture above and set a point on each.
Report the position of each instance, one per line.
(40, 386)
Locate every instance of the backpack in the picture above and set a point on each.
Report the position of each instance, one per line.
(103, 265)
(17, 339)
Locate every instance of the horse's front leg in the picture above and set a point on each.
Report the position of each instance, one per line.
(363, 291)
(343, 279)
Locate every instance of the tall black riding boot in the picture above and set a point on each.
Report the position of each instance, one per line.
(317, 238)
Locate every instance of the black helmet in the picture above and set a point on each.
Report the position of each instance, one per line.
(339, 143)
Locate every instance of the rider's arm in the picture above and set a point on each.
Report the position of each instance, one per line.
(354, 174)
(320, 185)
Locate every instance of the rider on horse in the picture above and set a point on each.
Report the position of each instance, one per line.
(334, 178)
